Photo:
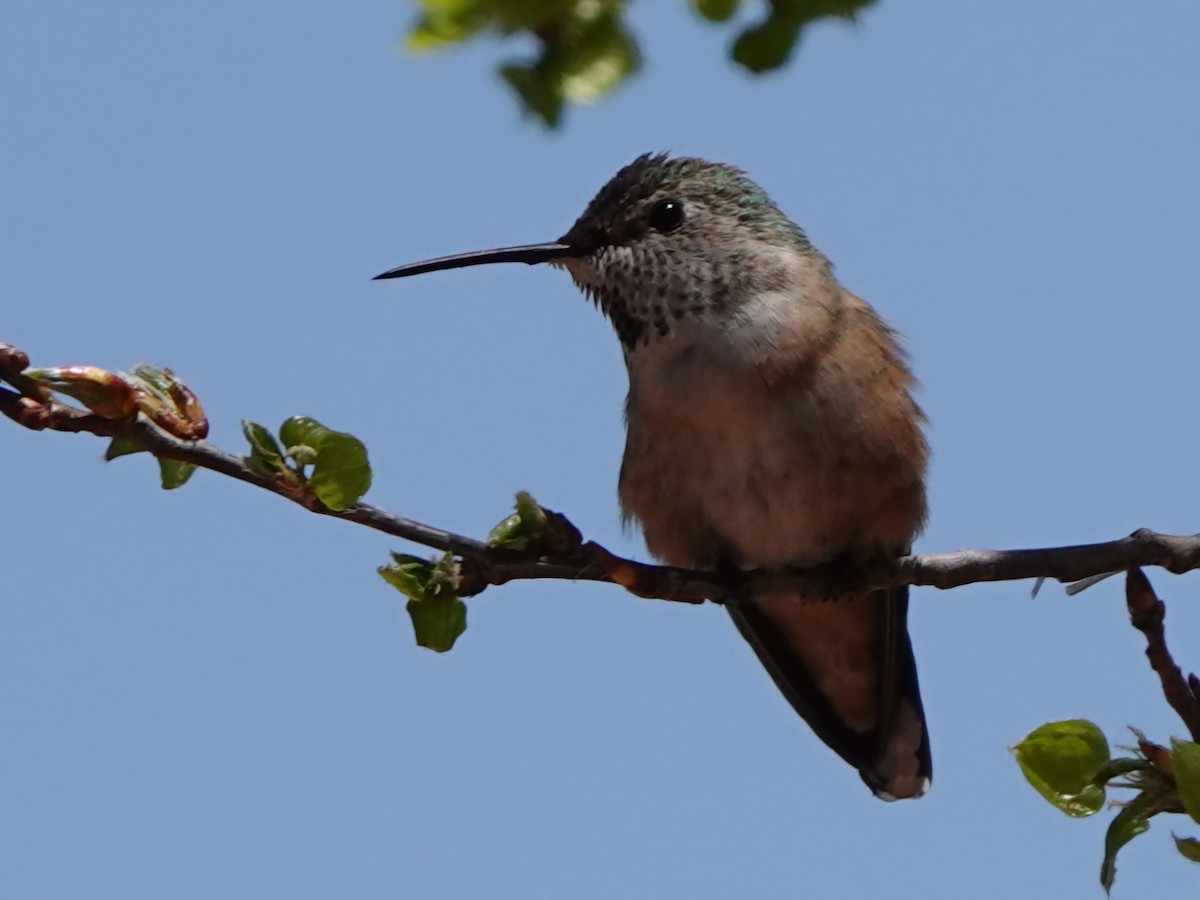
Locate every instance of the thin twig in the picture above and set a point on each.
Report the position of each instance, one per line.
(1146, 613)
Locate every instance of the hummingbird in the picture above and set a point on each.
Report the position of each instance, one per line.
(770, 426)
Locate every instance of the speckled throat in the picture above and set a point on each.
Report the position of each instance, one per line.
(644, 293)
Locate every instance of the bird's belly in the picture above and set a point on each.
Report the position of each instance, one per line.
(741, 486)
(721, 465)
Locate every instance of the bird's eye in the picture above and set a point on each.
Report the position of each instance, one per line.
(667, 215)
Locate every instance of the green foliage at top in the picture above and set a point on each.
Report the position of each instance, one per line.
(585, 48)
(769, 44)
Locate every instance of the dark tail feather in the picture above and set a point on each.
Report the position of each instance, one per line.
(847, 668)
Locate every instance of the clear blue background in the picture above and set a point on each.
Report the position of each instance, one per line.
(209, 693)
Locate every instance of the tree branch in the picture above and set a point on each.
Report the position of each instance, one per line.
(1146, 613)
(566, 556)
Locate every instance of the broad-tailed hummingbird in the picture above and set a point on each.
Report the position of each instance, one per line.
(771, 425)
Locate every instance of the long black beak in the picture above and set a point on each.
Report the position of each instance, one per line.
(529, 253)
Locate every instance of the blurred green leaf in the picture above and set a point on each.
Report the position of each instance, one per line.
(341, 472)
(767, 45)
(540, 94)
(1061, 760)
(266, 456)
(586, 52)
(174, 473)
(1189, 847)
(586, 48)
(446, 22)
(600, 57)
(119, 447)
(523, 529)
(438, 616)
(527, 15)
(1127, 824)
(716, 10)
(1185, 759)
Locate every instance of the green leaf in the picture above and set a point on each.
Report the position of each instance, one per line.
(266, 457)
(768, 45)
(438, 616)
(437, 624)
(1125, 826)
(1185, 760)
(407, 574)
(447, 22)
(174, 473)
(540, 93)
(341, 472)
(586, 52)
(586, 48)
(529, 510)
(716, 10)
(300, 431)
(1189, 847)
(119, 447)
(523, 529)
(1061, 760)
(601, 57)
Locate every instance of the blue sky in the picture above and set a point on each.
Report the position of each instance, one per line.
(209, 693)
